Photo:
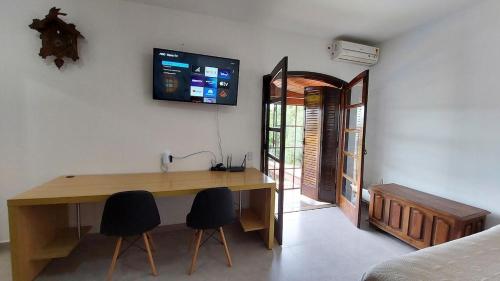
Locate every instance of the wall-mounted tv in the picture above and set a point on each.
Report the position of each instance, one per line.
(187, 77)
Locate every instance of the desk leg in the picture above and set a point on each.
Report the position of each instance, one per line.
(270, 230)
(31, 228)
(78, 221)
(262, 204)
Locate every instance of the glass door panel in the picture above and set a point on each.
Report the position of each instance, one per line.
(274, 136)
(350, 178)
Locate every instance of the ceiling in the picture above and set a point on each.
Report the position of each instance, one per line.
(297, 84)
(295, 88)
(366, 21)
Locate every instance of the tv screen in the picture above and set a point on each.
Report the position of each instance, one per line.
(181, 76)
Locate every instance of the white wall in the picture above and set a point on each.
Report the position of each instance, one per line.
(434, 110)
(97, 116)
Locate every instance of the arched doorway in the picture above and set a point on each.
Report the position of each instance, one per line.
(313, 139)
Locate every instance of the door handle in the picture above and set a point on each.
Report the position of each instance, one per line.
(365, 152)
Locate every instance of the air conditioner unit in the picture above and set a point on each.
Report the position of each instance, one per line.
(354, 53)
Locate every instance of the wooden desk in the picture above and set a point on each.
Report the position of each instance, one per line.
(39, 219)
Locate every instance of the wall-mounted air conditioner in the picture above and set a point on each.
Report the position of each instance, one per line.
(354, 53)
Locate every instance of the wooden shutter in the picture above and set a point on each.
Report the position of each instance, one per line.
(328, 171)
(312, 142)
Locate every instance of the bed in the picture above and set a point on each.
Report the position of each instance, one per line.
(475, 257)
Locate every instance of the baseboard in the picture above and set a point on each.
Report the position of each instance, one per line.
(4, 245)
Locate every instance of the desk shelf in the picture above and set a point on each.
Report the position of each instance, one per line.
(62, 245)
(250, 221)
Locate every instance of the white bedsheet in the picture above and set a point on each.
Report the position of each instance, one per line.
(476, 257)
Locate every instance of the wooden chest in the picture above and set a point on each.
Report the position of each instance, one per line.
(421, 219)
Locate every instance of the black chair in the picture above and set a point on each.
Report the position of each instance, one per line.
(130, 213)
(212, 209)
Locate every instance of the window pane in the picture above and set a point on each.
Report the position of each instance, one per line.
(299, 136)
(274, 144)
(355, 96)
(272, 110)
(298, 158)
(288, 179)
(278, 115)
(276, 196)
(275, 115)
(276, 86)
(298, 178)
(291, 114)
(349, 190)
(277, 175)
(272, 166)
(300, 115)
(352, 143)
(289, 157)
(290, 137)
(350, 167)
(355, 117)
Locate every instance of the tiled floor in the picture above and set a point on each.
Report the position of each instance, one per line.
(294, 202)
(4, 262)
(318, 245)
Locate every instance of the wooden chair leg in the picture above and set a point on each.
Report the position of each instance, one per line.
(150, 255)
(196, 248)
(226, 249)
(192, 241)
(115, 257)
(151, 242)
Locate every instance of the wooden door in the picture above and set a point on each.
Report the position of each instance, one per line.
(273, 144)
(352, 147)
(313, 124)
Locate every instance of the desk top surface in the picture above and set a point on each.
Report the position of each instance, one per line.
(94, 188)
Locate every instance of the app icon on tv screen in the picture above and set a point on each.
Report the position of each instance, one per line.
(211, 71)
(210, 93)
(211, 82)
(224, 84)
(198, 69)
(197, 80)
(196, 91)
(225, 74)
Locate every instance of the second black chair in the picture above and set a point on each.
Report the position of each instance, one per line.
(130, 213)
(212, 209)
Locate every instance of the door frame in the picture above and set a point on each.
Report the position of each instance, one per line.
(267, 79)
